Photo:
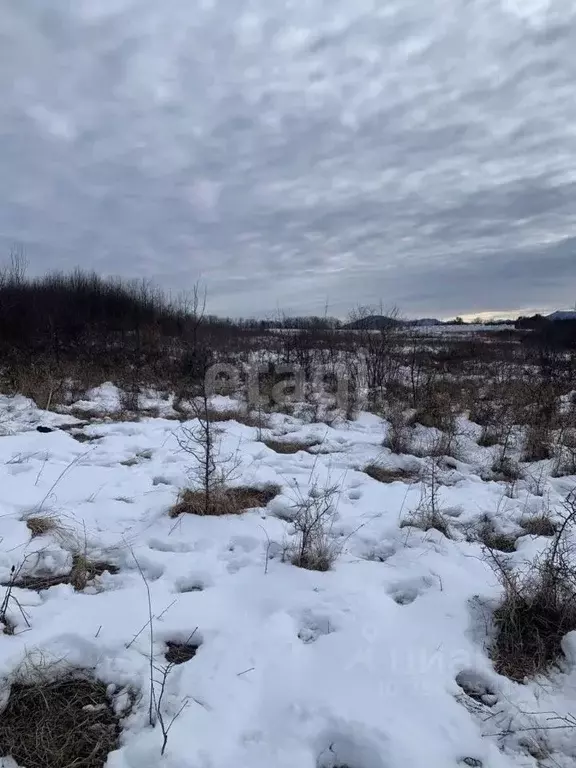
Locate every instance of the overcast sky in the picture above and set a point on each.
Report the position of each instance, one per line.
(296, 152)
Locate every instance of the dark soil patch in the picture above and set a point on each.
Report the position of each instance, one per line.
(73, 425)
(136, 459)
(392, 474)
(179, 653)
(131, 462)
(7, 627)
(190, 586)
(247, 419)
(225, 501)
(82, 437)
(82, 572)
(68, 723)
(285, 446)
(38, 583)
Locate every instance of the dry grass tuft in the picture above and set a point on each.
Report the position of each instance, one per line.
(66, 723)
(539, 525)
(242, 417)
(85, 570)
(427, 519)
(392, 474)
(40, 525)
(501, 542)
(319, 559)
(223, 501)
(531, 623)
(289, 446)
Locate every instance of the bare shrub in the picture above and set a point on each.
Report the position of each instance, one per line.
(159, 675)
(377, 334)
(399, 435)
(65, 722)
(490, 435)
(429, 514)
(312, 517)
(223, 500)
(495, 422)
(536, 482)
(505, 468)
(537, 442)
(9, 598)
(565, 453)
(446, 442)
(482, 411)
(130, 398)
(201, 441)
(539, 606)
(436, 410)
(43, 382)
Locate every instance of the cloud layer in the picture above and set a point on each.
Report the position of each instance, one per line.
(289, 153)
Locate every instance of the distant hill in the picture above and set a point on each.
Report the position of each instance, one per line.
(425, 322)
(378, 322)
(372, 323)
(562, 314)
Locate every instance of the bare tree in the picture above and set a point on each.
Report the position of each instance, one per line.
(429, 513)
(212, 472)
(200, 440)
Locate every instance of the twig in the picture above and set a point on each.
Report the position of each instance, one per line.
(245, 671)
(151, 625)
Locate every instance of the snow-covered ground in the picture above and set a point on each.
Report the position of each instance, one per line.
(368, 665)
(463, 329)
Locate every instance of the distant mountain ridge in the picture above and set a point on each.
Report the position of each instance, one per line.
(378, 322)
(562, 314)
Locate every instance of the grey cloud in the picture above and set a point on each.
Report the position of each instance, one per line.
(422, 153)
